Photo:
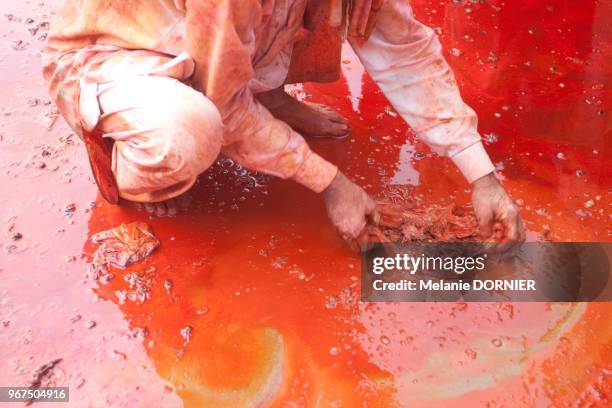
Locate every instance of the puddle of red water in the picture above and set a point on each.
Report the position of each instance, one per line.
(269, 290)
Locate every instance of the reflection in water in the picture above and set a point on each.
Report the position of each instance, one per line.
(406, 174)
(353, 72)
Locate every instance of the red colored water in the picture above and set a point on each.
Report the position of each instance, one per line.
(268, 289)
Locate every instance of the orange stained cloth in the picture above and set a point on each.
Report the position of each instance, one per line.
(238, 48)
(229, 51)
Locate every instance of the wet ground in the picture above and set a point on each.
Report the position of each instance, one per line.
(252, 297)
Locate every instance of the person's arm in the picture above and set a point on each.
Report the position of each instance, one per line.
(258, 141)
(221, 41)
(404, 57)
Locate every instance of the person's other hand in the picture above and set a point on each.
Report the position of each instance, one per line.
(494, 207)
(363, 16)
(348, 206)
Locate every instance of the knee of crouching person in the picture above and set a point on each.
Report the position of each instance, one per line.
(174, 134)
(197, 130)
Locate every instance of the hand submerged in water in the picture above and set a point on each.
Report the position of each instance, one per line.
(348, 206)
(493, 207)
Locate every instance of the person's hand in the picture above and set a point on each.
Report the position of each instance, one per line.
(347, 206)
(494, 208)
(363, 16)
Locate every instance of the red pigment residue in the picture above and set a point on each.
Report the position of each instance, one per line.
(396, 223)
(398, 218)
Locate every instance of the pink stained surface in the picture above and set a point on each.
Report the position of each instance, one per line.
(260, 278)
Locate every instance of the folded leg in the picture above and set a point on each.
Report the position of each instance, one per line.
(165, 134)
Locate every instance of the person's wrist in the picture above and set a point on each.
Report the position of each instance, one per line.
(488, 180)
(333, 186)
